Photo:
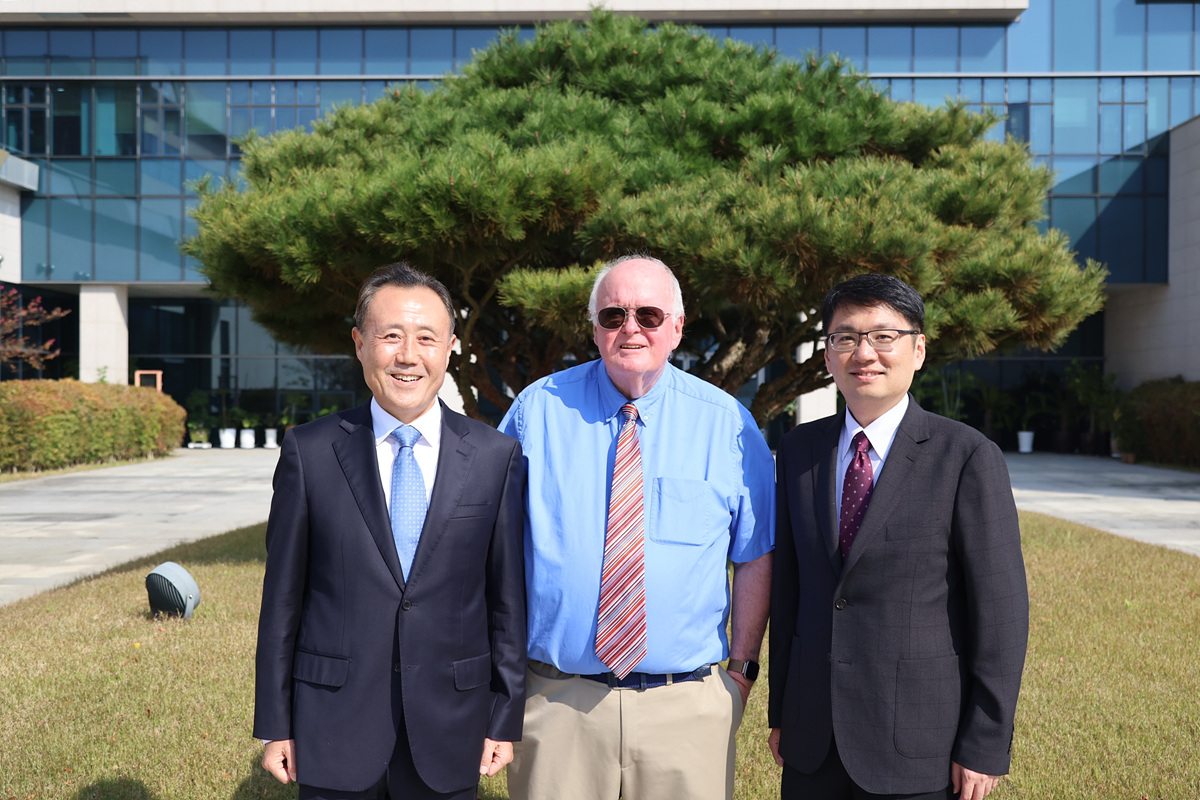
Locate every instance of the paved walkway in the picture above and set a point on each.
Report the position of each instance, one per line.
(57, 529)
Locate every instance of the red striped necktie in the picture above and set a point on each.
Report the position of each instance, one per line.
(621, 623)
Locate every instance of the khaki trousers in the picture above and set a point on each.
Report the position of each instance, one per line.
(585, 741)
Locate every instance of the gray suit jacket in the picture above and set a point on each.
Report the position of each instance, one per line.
(910, 654)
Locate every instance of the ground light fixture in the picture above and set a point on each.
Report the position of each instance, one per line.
(172, 591)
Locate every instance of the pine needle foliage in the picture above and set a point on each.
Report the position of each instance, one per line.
(762, 181)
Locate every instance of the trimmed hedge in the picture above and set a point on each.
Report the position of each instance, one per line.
(1160, 421)
(53, 424)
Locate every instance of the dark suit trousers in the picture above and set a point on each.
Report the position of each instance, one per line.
(830, 782)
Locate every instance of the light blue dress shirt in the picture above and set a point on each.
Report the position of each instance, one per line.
(709, 483)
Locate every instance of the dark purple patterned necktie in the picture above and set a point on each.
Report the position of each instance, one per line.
(856, 492)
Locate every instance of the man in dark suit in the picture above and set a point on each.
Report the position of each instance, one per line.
(391, 642)
(899, 610)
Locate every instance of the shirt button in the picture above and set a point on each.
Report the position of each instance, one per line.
(840, 604)
(406, 605)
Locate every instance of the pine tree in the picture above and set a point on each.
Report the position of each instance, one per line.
(761, 181)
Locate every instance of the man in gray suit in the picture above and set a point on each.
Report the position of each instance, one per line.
(899, 611)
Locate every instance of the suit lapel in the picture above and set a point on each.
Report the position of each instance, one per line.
(360, 464)
(893, 483)
(824, 458)
(455, 457)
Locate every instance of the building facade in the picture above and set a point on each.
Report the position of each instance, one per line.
(112, 109)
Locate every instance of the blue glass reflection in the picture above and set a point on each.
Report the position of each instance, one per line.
(1122, 175)
(983, 49)
(35, 259)
(1076, 217)
(848, 43)
(249, 52)
(341, 51)
(115, 52)
(1169, 27)
(161, 52)
(116, 239)
(935, 49)
(796, 42)
(295, 52)
(432, 50)
(1029, 39)
(71, 238)
(1075, 175)
(1122, 238)
(161, 229)
(70, 52)
(386, 51)
(889, 49)
(205, 52)
(1076, 116)
(1122, 35)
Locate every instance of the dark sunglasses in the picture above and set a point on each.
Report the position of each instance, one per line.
(613, 317)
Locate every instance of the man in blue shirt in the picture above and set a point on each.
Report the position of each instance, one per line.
(632, 517)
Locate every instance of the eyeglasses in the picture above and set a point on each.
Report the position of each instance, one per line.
(882, 341)
(648, 317)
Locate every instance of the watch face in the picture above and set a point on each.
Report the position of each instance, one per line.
(751, 670)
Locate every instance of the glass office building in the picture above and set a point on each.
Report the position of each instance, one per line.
(121, 120)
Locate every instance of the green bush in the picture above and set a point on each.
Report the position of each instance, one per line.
(54, 424)
(1160, 421)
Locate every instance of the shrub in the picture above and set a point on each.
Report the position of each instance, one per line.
(53, 424)
(1160, 421)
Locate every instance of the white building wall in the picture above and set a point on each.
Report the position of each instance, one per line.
(1151, 331)
(104, 333)
(10, 234)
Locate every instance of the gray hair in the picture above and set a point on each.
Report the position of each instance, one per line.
(676, 292)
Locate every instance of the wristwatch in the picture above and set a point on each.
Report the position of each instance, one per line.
(747, 669)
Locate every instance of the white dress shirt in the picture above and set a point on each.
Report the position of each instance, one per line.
(880, 433)
(425, 450)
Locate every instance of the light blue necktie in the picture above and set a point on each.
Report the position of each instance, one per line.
(408, 497)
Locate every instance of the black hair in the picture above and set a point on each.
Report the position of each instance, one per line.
(871, 290)
(399, 274)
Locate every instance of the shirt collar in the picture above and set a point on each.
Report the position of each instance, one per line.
(880, 433)
(647, 405)
(429, 423)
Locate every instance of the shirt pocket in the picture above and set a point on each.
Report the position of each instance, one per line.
(688, 512)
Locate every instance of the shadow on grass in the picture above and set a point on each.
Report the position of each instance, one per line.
(116, 789)
(261, 786)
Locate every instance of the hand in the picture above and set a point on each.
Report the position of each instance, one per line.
(279, 759)
(971, 785)
(744, 686)
(773, 743)
(495, 756)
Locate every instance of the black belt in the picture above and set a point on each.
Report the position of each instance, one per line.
(647, 680)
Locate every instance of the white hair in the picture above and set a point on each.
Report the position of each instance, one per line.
(676, 292)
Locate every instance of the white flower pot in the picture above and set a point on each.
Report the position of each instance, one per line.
(270, 438)
(228, 438)
(1024, 441)
(246, 438)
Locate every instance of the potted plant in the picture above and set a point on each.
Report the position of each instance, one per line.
(270, 431)
(199, 420)
(227, 433)
(246, 439)
(1098, 395)
(1036, 404)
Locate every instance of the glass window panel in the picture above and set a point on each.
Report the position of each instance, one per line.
(934, 91)
(170, 92)
(339, 93)
(25, 52)
(285, 118)
(849, 43)
(205, 52)
(468, 41)
(239, 93)
(341, 51)
(116, 119)
(196, 169)
(1156, 240)
(1040, 129)
(35, 133)
(172, 132)
(1075, 35)
(1110, 90)
(373, 90)
(285, 93)
(971, 90)
(34, 259)
(1018, 90)
(1122, 175)
(116, 176)
(161, 230)
(71, 238)
(983, 49)
(68, 176)
(1110, 129)
(935, 49)
(162, 176)
(1156, 175)
(249, 52)
(1169, 35)
(1135, 128)
(116, 239)
(902, 90)
(161, 52)
(432, 51)
(71, 52)
(1122, 35)
(305, 116)
(993, 90)
(71, 119)
(306, 93)
(239, 122)
(1122, 238)
(295, 52)
(1181, 100)
(260, 120)
(386, 51)
(1135, 90)
(757, 35)
(795, 42)
(36, 92)
(205, 119)
(1041, 90)
(260, 93)
(115, 52)
(889, 49)
(1074, 176)
(1157, 105)
(1076, 116)
(1076, 217)
(1029, 40)
(1016, 123)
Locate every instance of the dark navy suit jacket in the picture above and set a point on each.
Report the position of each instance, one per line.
(348, 646)
(911, 654)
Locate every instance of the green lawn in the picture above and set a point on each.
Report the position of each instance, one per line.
(98, 700)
